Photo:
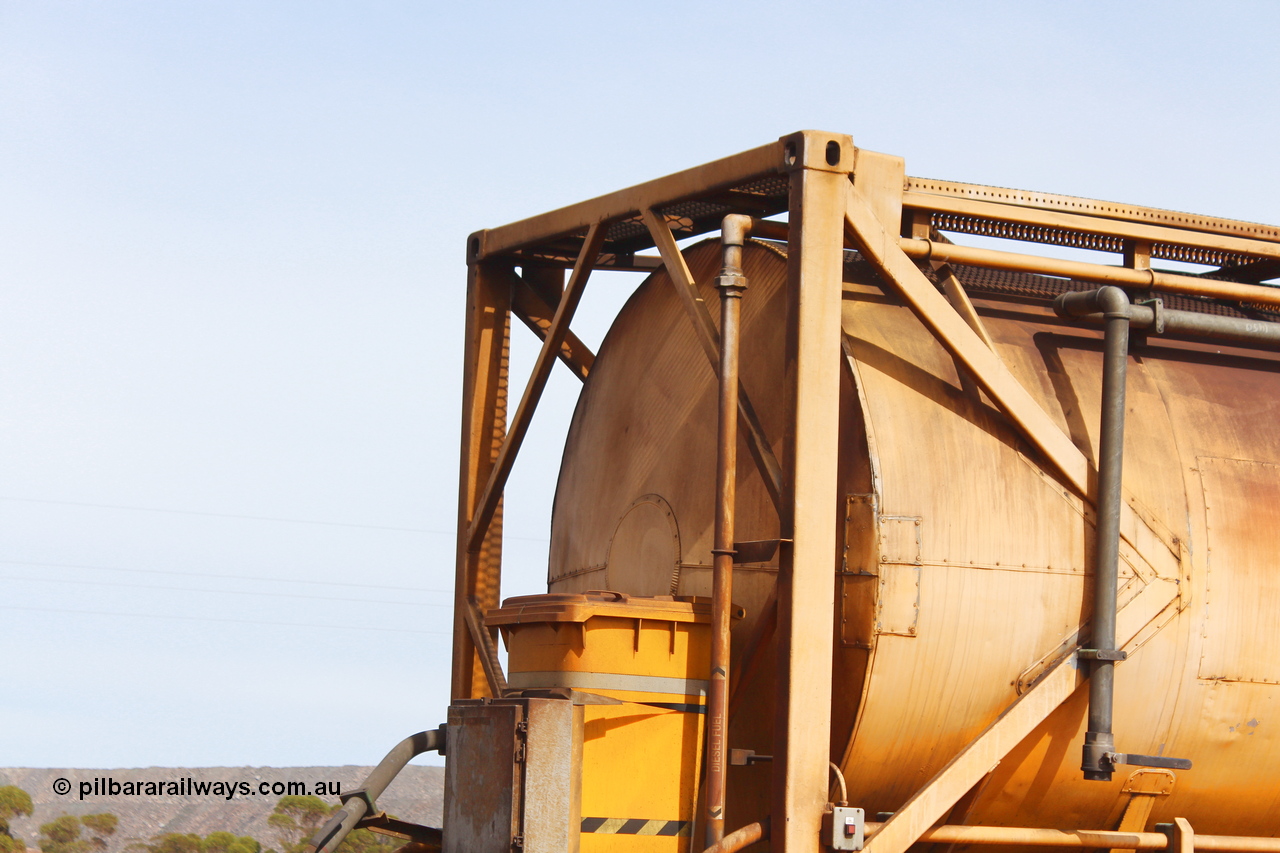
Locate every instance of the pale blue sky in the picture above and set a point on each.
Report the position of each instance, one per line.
(231, 249)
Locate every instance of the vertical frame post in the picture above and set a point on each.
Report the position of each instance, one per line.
(484, 424)
(820, 165)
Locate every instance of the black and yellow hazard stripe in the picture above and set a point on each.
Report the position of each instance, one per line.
(637, 826)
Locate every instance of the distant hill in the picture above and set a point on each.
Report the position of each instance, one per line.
(417, 795)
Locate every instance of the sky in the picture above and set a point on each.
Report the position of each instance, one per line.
(231, 297)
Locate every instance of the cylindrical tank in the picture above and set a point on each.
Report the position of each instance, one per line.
(965, 563)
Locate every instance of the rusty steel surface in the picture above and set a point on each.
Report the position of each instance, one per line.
(551, 344)
(708, 336)
(810, 433)
(938, 620)
(1018, 836)
(1164, 282)
(484, 421)
(731, 283)
(552, 793)
(511, 780)
(934, 434)
(482, 779)
(528, 304)
(737, 180)
(1169, 234)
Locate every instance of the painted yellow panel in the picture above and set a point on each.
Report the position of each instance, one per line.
(641, 757)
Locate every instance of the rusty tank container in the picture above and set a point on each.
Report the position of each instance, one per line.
(964, 567)
(922, 543)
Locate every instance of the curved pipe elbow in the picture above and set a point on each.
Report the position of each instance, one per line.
(1113, 302)
(1109, 300)
(358, 803)
(735, 229)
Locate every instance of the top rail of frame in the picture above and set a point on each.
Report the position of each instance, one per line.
(922, 188)
(693, 200)
(756, 182)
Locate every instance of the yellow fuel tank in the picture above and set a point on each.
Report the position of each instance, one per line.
(647, 659)
(965, 564)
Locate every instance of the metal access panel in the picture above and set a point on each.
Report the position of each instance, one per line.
(482, 778)
(513, 776)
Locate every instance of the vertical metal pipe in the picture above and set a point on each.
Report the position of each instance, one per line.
(1099, 741)
(731, 283)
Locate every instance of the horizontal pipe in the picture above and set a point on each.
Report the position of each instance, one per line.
(929, 250)
(1021, 836)
(1008, 836)
(1175, 322)
(744, 837)
(1192, 324)
(1237, 843)
(769, 229)
(1162, 321)
(737, 227)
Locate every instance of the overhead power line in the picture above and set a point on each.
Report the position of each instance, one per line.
(81, 582)
(244, 517)
(217, 619)
(227, 515)
(222, 576)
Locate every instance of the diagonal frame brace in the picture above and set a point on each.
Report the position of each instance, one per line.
(1138, 617)
(551, 347)
(709, 338)
(964, 344)
(881, 249)
(535, 313)
(484, 641)
(976, 760)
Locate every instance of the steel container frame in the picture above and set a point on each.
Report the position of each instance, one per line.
(836, 196)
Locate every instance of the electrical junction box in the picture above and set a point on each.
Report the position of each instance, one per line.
(842, 829)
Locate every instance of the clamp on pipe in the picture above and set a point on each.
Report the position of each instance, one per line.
(734, 231)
